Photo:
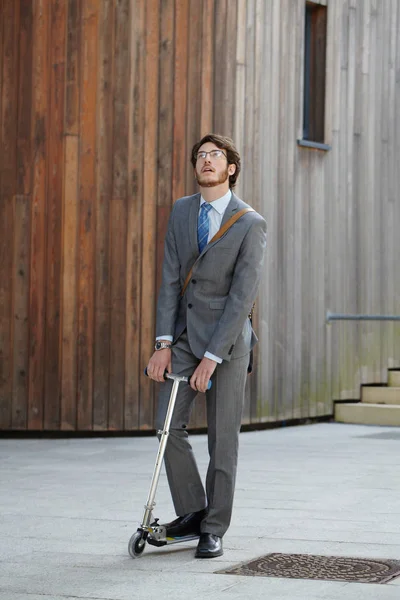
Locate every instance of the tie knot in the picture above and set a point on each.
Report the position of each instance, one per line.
(206, 206)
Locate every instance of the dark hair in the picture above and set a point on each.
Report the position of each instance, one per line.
(224, 143)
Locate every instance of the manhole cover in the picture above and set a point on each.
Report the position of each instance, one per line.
(328, 568)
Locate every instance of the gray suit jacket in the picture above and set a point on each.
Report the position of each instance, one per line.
(224, 282)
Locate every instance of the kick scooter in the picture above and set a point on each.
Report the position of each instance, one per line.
(150, 531)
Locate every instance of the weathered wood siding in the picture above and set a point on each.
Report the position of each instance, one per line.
(100, 103)
(333, 216)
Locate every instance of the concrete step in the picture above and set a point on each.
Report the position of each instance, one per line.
(380, 394)
(368, 414)
(394, 379)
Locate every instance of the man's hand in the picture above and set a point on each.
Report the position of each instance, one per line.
(159, 362)
(202, 374)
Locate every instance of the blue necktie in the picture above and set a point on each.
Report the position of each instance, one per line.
(203, 226)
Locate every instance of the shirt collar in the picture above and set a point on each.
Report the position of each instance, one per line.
(221, 203)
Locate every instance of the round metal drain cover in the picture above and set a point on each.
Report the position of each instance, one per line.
(328, 568)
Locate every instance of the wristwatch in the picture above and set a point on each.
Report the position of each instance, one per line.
(161, 345)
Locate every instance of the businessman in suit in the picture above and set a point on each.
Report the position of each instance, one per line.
(206, 333)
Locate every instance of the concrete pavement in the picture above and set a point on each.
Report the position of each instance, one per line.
(68, 508)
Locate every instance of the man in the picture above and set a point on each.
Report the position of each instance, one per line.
(205, 332)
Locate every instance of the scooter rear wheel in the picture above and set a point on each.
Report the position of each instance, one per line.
(136, 545)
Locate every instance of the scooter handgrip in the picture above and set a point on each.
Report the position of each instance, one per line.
(146, 373)
(209, 385)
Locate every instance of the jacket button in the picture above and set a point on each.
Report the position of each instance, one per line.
(194, 280)
(190, 305)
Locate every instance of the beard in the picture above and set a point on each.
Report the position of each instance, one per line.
(203, 180)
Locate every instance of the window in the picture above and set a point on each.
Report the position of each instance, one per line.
(315, 72)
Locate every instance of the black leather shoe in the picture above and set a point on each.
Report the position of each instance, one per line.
(187, 525)
(209, 546)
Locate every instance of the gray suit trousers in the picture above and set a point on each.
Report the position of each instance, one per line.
(224, 413)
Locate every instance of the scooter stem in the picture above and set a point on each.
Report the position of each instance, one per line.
(164, 433)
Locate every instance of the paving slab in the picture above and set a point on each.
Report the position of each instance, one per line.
(69, 506)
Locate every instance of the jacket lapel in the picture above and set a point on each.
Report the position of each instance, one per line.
(231, 209)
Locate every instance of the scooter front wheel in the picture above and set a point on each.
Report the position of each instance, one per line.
(136, 545)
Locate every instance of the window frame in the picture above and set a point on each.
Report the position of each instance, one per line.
(315, 75)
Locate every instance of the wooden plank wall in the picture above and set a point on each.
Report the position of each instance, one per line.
(100, 103)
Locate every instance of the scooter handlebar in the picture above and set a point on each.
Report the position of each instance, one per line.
(174, 377)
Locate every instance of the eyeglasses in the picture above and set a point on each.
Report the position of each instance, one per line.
(214, 154)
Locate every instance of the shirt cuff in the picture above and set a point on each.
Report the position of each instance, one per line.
(213, 357)
(167, 338)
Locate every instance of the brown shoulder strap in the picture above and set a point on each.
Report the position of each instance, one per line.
(216, 237)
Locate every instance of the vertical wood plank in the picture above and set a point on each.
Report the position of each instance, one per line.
(180, 150)
(120, 98)
(104, 176)
(24, 151)
(248, 148)
(20, 277)
(8, 168)
(369, 256)
(118, 218)
(239, 127)
(396, 184)
(198, 74)
(133, 358)
(40, 125)
(287, 189)
(69, 283)
(240, 91)
(52, 380)
(274, 320)
(68, 409)
(335, 246)
(22, 207)
(193, 89)
(360, 175)
(118, 299)
(2, 20)
(230, 70)
(105, 115)
(297, 332)
(8, 173)
(87, 193)
(317, 317)
(389, 176)
(149, 223)
(72, 68)
(379, 87)
(257, 108)
(257, 177)
(220, 20)
(208, 61)
(285, 408)
(386, 231)
(267, 295)
(353, 384)
(165, 129)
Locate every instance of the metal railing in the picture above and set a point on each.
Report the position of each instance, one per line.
(330, 316)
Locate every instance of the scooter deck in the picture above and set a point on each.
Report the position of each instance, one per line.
(171, 540)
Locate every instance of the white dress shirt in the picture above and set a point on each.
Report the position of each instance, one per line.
(215, 217)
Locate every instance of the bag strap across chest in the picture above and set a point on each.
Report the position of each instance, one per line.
(217, 236)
